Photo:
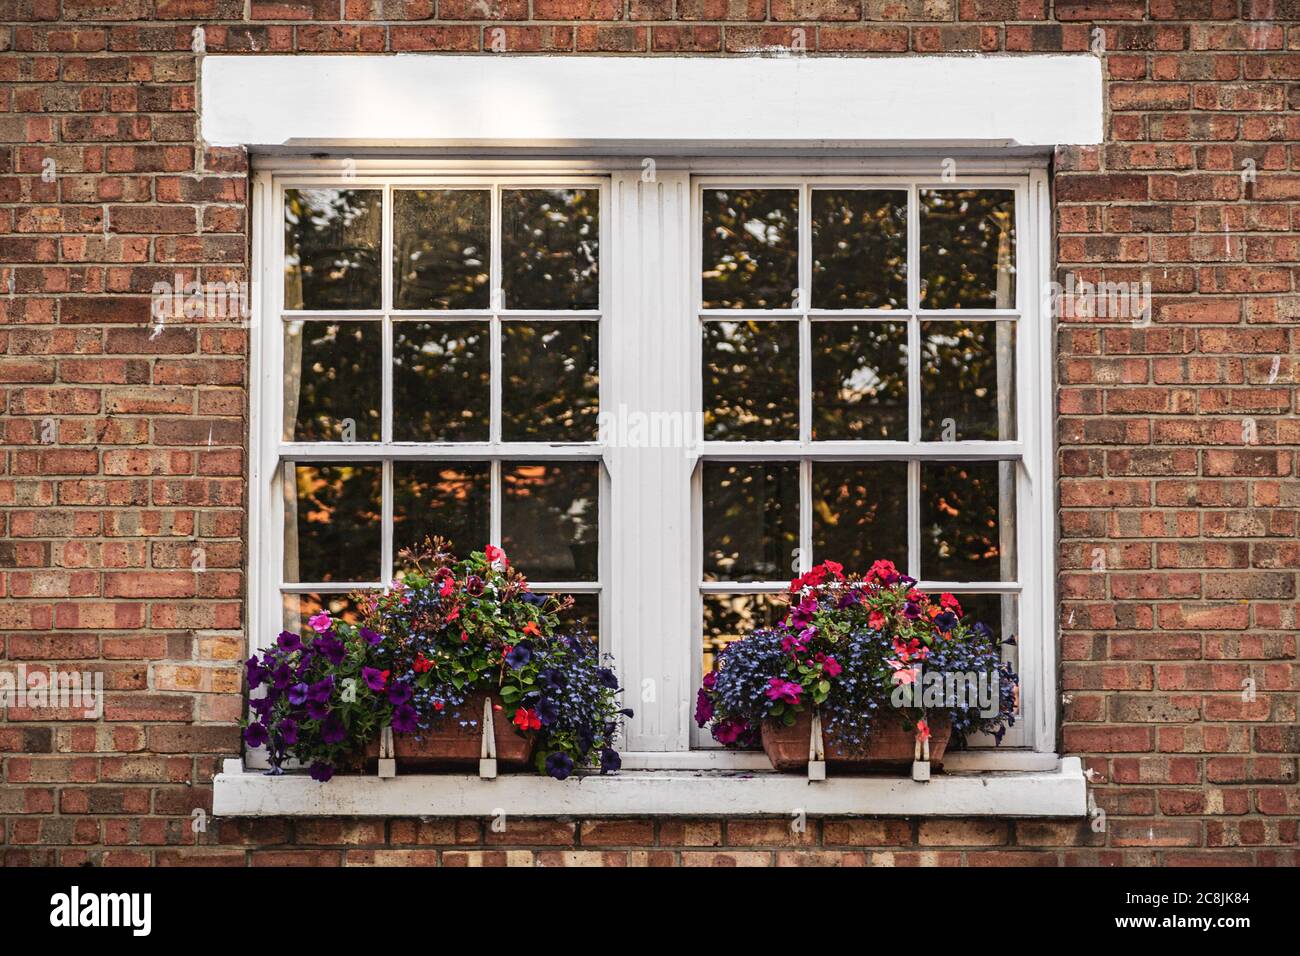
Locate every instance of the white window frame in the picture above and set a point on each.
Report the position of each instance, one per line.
(650, 361)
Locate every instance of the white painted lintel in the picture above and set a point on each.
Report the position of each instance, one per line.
(666, 102)
(1061, 792)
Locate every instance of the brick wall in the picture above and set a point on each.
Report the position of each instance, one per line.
(1193, 593)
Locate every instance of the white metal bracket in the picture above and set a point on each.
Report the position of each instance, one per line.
(487, 764)
(921, 760)
(387, 760)
(816, 750)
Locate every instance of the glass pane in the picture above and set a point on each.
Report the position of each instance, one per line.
(751, 381)
(968, 527)
(968, 381)
(998, 611)
(751, 248)
(728, 617)
(441, 381)
(332, 519)
(859, 380)
(449, 499)
(860, 513)
(551, 381)
(442, 240)
(298, 609)
(859, 249)
(968, 249)
(550, 244)
(550, 518)
(751, 521)
(583, 617)
(332, 381)
(331, 248)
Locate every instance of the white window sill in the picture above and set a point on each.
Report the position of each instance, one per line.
(1057, 792)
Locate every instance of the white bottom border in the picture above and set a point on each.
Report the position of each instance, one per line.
(1060, 792)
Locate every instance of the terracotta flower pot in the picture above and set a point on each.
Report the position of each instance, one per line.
(891, 745)
(449, 746)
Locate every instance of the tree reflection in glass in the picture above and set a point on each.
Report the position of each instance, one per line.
(859, 249)
(333, 516)
(550, 245)
(441, 381)
(331, 248)
(968, 381)
(441, 246)
(551, 381)
(550, 518)
(859, 380)
(860, 513)
(968, 521)
(751, 248)
(332, 382)
(751, 381)
(449, 499)
(751, 520)
(968, 248)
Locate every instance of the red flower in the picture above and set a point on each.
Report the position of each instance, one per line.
(835, 568)
(950, 602)
(531, 628)
(527, 719)
(495, 554)
(455, 613)
(422, 663)
(922, 730)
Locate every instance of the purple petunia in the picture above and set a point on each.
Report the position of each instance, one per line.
(321, 771)
(548, 711)
(519, 655)
(288, 730)
(255, 672)
(318, 709)
(333, 731)
(373, 677)
(298, 694)
(322, 690)
(399, 693)
(404, 719)
(610, 760)
(559, 765)
(703, 707)
(289, 641)
(373, 638)
(255, 735)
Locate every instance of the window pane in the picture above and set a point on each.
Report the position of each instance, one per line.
(331, 248)
(751, 248)
(298, 609)
(550, 243)
(968, 249)
(860, 513)
(332, 381)
(441, 381)
(449, 499)
(859, 249)
(859, 380)
(968, 381)
(332, 518)
(551, 381)
(751, 521)
(968, 521)
(998, 611)
(550, 518)
(441, 244)
(751, 381)
(584, 616)
(728, 617)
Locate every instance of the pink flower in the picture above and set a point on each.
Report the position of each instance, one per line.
(496, 557)
(320, 623)
(922, 730)
(711, 680)
(832, 667)
(729, 731)
(876, 621)
(783, 690)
